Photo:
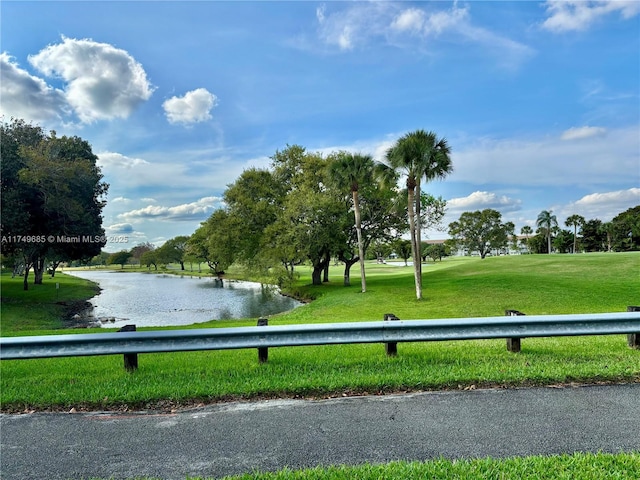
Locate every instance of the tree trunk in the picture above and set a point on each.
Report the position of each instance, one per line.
(327, 262)
(316, 275)
(25, 284)
(356, 208)
(414, 249)
(54, 268)
(419, 229)
(181, 265)
(38, 270)
(347, 269)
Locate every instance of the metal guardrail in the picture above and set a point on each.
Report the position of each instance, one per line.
(512, 327)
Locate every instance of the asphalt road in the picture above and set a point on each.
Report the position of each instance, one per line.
(268, 435)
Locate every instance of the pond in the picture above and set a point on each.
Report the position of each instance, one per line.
(166, 300)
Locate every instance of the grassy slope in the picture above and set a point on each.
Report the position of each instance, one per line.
(42, 307)
(469, 287)
(455, 288)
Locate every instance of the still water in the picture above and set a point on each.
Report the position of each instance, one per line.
(162, 300)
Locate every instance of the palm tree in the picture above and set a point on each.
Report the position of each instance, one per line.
(436, 164)
(349, 172)
(526, 231)
(607, 229)
(547, 222)
(575, 221)
(418, 155)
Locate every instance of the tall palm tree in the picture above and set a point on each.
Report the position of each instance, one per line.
(350, 172)
(575, 221)
(526, 231)
(418, 155)
(547, 221)
(436, 164)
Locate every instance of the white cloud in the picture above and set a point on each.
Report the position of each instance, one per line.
(148, 200)
(23, 95)
(439, 22)
(603, 206)
(103, 82)
(480, 200)
(621, 197)
(122, 200)
(195, 106)
(565, 15)
(361, 23)
(595, 160)
(411, 19)
(198, 210)
(112, 159)
(119, 229)
(578, 133)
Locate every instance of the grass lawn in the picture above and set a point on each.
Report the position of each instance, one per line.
(42, 307)
(570, 467)
(458, 287)
(577, 466)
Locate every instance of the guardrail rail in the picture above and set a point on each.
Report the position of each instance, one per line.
(513, 327)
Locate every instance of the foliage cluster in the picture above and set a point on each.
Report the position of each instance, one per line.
(312, 208)
(621, 234)
(52, 199)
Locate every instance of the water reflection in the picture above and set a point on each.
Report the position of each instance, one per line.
(162, 300)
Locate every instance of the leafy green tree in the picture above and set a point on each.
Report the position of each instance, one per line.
(119, 258)
(214, 242)
(626, 230)
(563, 241)
(381, 249)
(593, 238)
(436, 251)
(173, 251)
(433, 210)
(100, 259)
(574, 221)
(547, 221)
(418, 155)
(148, 258)
(313, 222)
(253, 201)
(52, 189)
(402, 248)
(139, 250)
(481, 231)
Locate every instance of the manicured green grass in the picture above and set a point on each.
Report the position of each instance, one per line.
(455, 288)
(42, 307)
(470, 287)
(578, 466)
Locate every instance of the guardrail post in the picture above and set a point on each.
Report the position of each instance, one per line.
(513, 344)
(391, 347)
(130, 359)
(263, 352)
(633, 339)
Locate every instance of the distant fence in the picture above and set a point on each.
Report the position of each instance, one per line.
(514, 326)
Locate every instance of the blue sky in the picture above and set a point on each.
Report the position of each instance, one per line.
(540, 101)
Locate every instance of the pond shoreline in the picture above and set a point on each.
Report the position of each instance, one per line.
(171, 299)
